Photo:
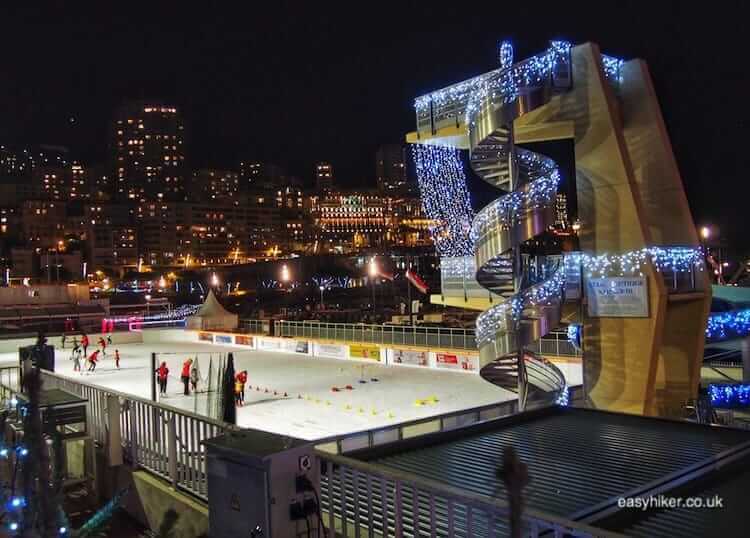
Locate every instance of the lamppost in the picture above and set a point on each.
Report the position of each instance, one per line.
(148, 305)
(321, 288)
(285, 274)
(373, 272)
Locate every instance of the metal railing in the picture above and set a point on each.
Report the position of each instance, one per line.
(160, 438)
(380, 334)
(436, 337)
(360, 498)
(9, 382)
(255, 326)
(342, 444)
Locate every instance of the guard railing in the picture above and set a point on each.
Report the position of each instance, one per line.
(160, 438)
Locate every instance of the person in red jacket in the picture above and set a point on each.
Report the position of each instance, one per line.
(240, 380)
(185, 375)
(84, 343)
(92, 360)
(162, 373)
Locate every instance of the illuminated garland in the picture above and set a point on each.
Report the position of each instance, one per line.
(675, 259)
(737, 395)
(179, 313)
(505, 82)
(725, 325)
(664, 259)
(508, 210)
(445, 198)
(612, 68)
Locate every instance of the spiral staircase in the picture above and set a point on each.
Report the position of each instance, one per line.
(531, 286)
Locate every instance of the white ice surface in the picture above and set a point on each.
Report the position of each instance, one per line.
(320, 412)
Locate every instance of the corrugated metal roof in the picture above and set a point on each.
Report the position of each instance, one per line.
(577, 458)
(731, 485)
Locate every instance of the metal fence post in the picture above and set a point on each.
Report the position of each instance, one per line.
(114, 438)
(133, 433)
(172, 449)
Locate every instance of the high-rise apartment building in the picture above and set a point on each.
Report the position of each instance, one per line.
(257, 175)
(211, 184)
(323, 177)
(391, 169)
(149, 153)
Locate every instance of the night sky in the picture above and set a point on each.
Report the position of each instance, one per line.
(300, 82)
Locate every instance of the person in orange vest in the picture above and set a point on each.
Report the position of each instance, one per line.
(92, 360)
(185, 376)
(239, 387)
(117, 358)
(84, 343)
(162, 373)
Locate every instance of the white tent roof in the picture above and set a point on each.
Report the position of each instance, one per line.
(212, 308)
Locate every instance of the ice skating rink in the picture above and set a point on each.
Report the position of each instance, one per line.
(310, 409)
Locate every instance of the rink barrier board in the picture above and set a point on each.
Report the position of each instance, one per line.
(448, 360)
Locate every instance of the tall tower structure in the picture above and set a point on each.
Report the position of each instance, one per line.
(390, 168)
(323, 177)
(148, 152)
(636, 283)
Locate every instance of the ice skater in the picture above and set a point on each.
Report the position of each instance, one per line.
(62, 340)
(162, 374)
(76, 357)
(92, 360)
(239, 387)
(185, 376)
(109, 339)
(103, 344)
(194, 377)
(85, 343)
(237, 393)
(117, 358)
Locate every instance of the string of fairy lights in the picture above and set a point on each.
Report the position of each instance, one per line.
(504, 316)
(445, 198)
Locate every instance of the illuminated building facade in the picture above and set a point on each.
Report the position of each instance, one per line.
(346, 222)
(391, 169)
(323, 177)
(256, 175)
(211, 184)
(149, 152)
(42, 223)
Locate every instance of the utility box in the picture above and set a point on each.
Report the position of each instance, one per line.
(259, 486)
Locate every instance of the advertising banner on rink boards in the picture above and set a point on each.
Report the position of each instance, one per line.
(408, 356)
(364, 351)
(206, 337)
(617, 297)
(287, 345)
(468, 363)
(243, 340)
(335, 351)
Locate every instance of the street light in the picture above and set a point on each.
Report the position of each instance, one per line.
(705, 232)
(373, 271)
(148, 305)
(321, 288)
(284, 274)
(214, 280)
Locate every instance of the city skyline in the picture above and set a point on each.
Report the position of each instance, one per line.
(313, 81)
